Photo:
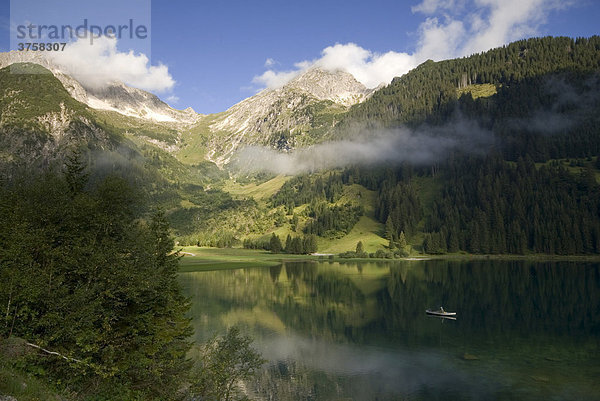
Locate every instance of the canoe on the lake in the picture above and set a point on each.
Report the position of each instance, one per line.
(441, 313)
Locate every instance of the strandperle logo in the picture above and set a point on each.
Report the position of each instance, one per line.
(58, 25)
(86, 30)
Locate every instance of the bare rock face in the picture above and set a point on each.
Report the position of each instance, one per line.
(138, 103)
(338, 86)
(282, 117)
(117, 97)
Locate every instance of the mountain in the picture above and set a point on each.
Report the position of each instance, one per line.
(532, 187)
(295, 115)
(298, 114)
(117, 97)
(40, 120)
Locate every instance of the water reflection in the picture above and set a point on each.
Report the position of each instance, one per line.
(358, 330)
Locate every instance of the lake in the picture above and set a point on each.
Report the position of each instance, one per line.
(358, 331)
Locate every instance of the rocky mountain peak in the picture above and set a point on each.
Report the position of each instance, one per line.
(338, 86)
(284, 117)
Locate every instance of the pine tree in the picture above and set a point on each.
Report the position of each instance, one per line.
(275, 244)
(402, 241)
(297, 246)
(310, 244)
(390, 231)
(453, 245)
(288, 244)
(359, 248)
(74, 171)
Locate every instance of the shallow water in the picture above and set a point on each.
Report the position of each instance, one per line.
(358, 331)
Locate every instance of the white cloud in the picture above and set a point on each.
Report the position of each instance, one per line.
(97, 65)
(173, 99)
(367, 67)
(439, 41)
(275, 79)
(453, 28)
(431, 6)
(419, 146)
(269, 62)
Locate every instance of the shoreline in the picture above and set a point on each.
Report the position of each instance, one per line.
(197, 259)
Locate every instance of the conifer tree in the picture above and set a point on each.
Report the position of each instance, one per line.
(275, 243)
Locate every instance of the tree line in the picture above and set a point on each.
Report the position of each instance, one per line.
(87, 275)
(298, 245)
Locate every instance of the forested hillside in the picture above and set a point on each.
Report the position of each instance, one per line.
(428, 93)
(533, 189)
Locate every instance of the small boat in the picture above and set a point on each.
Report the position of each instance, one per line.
(441, 313)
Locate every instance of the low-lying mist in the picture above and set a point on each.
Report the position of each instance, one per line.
(419, 146)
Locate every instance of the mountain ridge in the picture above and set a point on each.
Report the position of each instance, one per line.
(116, 97)
(294, 115)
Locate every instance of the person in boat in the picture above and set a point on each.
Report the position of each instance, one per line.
(442, 309)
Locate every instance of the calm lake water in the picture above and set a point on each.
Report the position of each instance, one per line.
(358, 331)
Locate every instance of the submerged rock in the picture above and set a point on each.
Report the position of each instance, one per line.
(469, 357)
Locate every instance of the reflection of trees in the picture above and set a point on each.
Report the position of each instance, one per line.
(496, 297)
(329, 303)
(275, 271)
(491, 298)
(288, 380)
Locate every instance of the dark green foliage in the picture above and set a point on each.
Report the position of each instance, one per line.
(83, 274)
(207, 205)
(309, 244)
(546, 108)
(257, 244)
(275, 244)
(75, 174)
(490, 206)
(306, 189)
(36, 92)
(332, 221)
(327, 220)
(360, 250)
(402, 240)
(297, 246)
(301, 245)
(399, 207)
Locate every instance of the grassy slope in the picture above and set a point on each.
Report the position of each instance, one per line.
(367, 230)
(478, 90)
(260, 192)
(24, 387)
(160, 131)
(195, 139)
(28, 91)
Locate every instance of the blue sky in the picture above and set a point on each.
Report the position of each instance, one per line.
(214, 54)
